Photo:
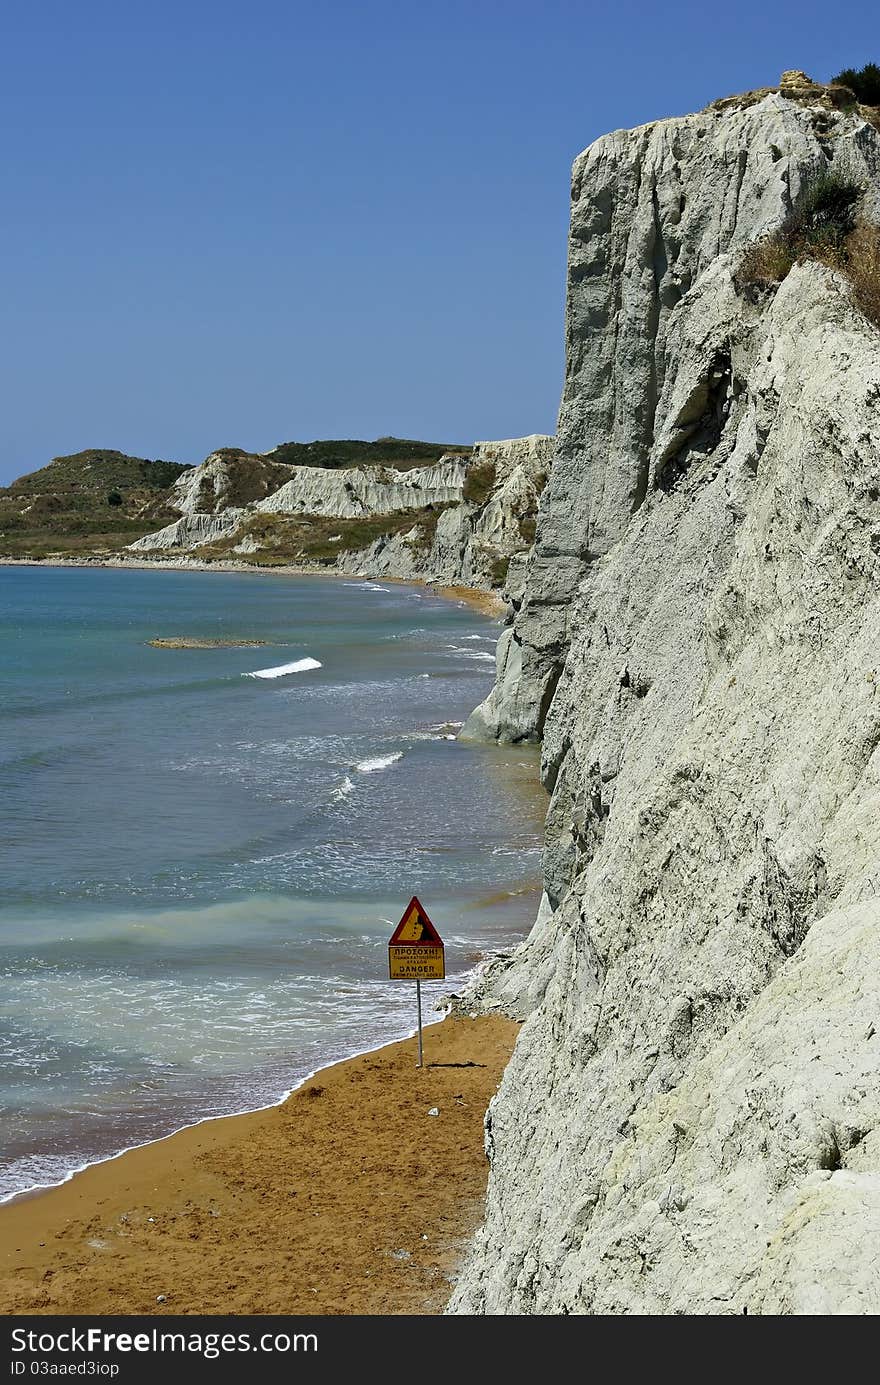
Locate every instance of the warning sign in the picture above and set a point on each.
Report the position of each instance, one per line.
(415, 949)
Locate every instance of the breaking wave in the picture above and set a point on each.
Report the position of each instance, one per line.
(378, 762)
(298, 666)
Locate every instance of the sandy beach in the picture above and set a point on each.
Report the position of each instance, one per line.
(350, 1197)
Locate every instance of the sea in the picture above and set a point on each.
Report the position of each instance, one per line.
(205, 850)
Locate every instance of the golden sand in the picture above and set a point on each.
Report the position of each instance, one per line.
(350, 1197)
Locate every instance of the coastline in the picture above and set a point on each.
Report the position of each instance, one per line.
(488, 603)
(348, 1196)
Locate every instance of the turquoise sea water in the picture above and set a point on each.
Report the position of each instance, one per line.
(201, 868)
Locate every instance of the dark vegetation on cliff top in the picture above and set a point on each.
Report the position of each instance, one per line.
(823, 225)
(863, 82)
(401, 453)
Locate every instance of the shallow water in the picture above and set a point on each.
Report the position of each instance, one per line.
(201, 867)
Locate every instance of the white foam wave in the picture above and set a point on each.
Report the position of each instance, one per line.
(378, 762)
(343, 790)
(482, 655)
(298, 666)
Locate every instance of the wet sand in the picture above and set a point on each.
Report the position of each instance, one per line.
(350, 1197)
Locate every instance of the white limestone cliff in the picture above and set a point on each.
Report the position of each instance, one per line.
(473, 530)
(359, 491)
(690, 1122)
(475, 539)
(652, 210)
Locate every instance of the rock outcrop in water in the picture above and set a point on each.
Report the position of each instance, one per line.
(691, 1119)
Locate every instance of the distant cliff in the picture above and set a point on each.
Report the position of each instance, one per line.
(417, 510)
(691, 1119)
(460, 519)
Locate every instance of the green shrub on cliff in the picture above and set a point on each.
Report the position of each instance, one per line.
(823, 215)
(817, 227)
(498, 572)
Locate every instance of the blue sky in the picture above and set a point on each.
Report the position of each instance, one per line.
(239, 225)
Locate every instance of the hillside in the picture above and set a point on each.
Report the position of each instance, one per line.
(462, 517)
(92, 501)
(393, 507)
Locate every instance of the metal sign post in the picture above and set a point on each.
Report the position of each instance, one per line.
(419, 1006)
(416, 953)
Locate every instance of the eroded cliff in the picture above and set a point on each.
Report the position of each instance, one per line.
(691, 1118)
(461, 519)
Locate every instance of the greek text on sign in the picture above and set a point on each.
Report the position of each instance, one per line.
(415, 949)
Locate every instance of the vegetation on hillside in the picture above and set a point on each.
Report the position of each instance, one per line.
(478, 483)
(97, 470)
(401, 453)
(498, 572)
(98, 501)
(317, 540)
(93, 501)
(248, 477)
(823, 225)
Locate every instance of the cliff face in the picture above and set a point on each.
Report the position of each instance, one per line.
(653, 210)
(691, 1118)
(478, 540)
(213, 498)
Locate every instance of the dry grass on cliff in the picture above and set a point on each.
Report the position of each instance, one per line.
(768, 261)
(822, 226)
(478, 483)
(863, 270)
(318, 540)
(765, 261)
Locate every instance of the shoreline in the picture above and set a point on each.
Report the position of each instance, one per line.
(208, 1220)
(38, 1190)
(109, 1170)
(488, 603)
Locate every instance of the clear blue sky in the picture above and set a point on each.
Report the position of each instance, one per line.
(229, 224)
